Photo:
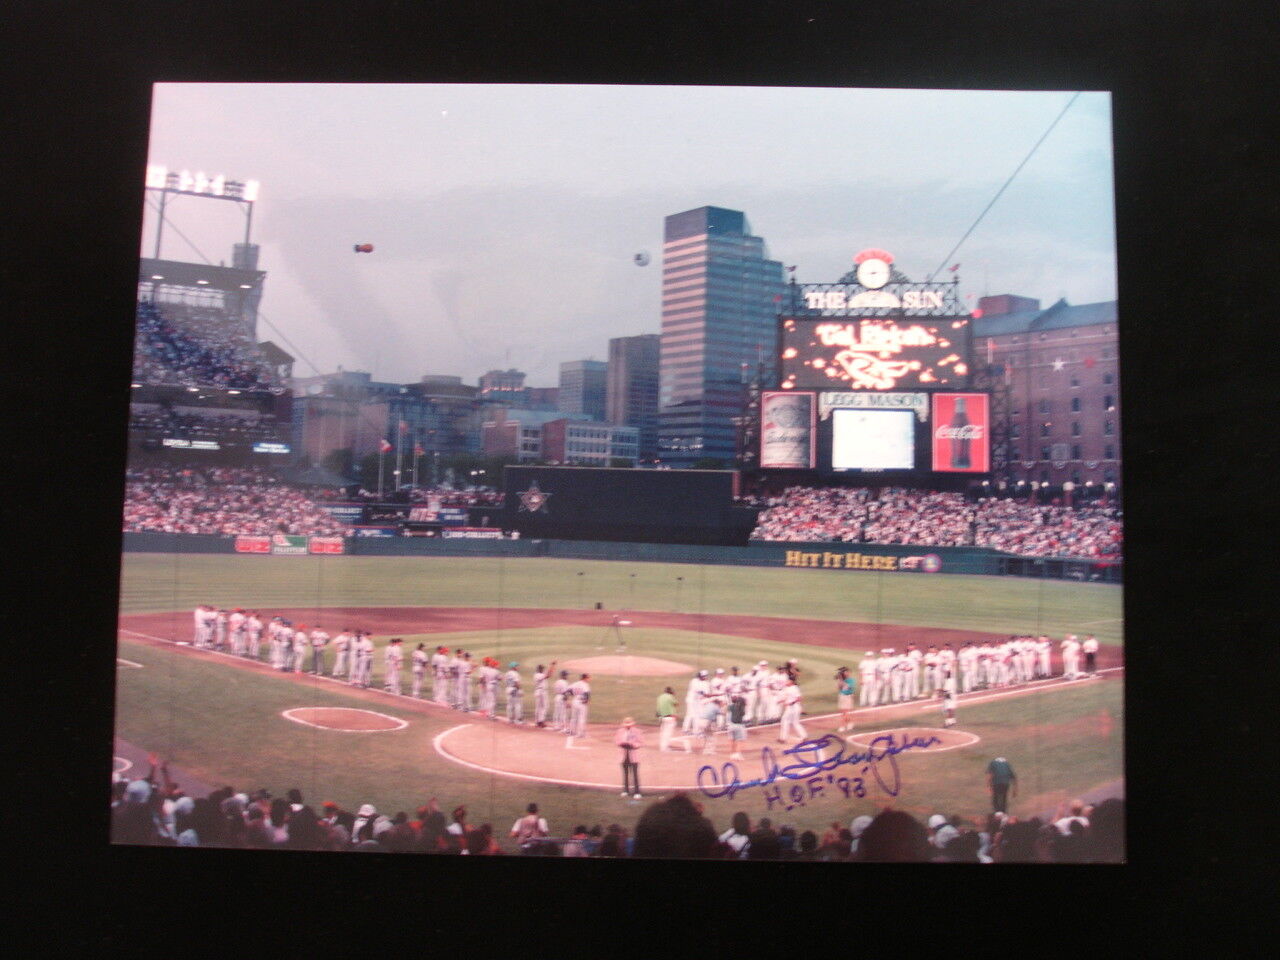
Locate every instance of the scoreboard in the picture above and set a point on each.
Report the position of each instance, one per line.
(874, 353)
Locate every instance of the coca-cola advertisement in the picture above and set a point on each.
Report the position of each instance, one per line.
(961, 433)
(787, 423)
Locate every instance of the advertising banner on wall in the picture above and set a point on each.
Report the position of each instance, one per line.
(288, 545)
(429, 514)
(326, 545)
(916, 402)
(961, 433)
(787, 421)
(472, 533)
(376, 531)
(345, 512)
(253, 544)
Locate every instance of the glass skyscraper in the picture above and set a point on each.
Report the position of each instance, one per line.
(720, 302)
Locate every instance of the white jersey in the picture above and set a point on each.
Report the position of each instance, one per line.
(254, 626)
(561, 687)
(539, 683)
(512, 680)
(392, 656)
(1090, 645)
(419, 661)
(319, 638)
(580, 691)
(791, 696)
(366, 647)
(342, 641)
(699, 690)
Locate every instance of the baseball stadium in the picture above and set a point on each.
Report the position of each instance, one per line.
(825, 599)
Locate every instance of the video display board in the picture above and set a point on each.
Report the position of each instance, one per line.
(872, 440)
(871, 354)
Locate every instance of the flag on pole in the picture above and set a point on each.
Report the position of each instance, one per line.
(383, 446)
(954, 267)
(417, 450)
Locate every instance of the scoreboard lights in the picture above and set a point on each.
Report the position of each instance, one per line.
(874, 353)
(184, 181)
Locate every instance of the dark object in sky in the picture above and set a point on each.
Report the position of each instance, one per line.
(364, 248)
(641, 259)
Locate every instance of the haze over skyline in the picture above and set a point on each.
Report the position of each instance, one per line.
(505, 217)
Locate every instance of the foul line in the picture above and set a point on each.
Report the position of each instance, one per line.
(288, 715)
(127, 663)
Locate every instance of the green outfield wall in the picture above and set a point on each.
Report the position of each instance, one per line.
(881, 558)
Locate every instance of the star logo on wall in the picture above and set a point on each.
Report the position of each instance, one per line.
(1058, 365)
(534, 499)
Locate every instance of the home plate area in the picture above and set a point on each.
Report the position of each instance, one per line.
(544, 756)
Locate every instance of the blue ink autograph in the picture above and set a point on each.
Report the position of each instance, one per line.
(811, 766)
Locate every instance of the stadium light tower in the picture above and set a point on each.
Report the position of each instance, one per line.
(169, 183)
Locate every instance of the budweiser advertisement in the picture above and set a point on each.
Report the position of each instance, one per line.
(787, 422)
(961, 433)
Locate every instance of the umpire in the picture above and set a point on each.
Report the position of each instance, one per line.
(1000, 777)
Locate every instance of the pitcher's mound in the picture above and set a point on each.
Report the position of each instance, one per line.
(627, 666)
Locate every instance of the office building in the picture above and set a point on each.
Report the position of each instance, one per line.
(582, 387)
(720, 297)
(631, 396)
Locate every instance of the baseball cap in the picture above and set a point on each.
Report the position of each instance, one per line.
(719, 669)
(702, 673)
(367, 810)
(629, 722)
(513, 664)
(936, 820)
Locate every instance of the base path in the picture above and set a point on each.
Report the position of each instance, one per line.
(391, 621)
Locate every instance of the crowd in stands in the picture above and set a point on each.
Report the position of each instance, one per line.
(213, 425)
(197, 347)
(154, 810)
(930, 518)
(237, 501)
(447, 496)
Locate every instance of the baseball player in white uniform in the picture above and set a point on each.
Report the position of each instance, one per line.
(777, 683)
(253, 635)
(319, 639)
(867, 671)
(419, 666)
(911, 686)
(392, 657)
(366, 658)
(931, 670)
(284, 646)
(946, 662)
(487, 675)
(465, 667)
(220, 630)
(440, 676)
(792, 701)
(885, 664)
(197, 635)
(692, 697)
(718, 684)
(581, 694)
(342, 644)
(301, 644)
(235, 623)
(540, 677)
(1044, 649)
(560, 703)
(1071, 657)
(750, 693)
(515, 695)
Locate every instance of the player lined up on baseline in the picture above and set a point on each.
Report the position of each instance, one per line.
(893, 677)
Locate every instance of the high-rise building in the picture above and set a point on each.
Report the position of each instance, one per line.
(582, 387)
(503, 386)
(632, 393)
(720, 297)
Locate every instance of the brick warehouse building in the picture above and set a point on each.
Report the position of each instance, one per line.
(1059, 369)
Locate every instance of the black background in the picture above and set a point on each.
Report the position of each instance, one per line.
(1195, 201)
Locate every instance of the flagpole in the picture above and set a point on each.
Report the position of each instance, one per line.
(399, 453)
(381, 456)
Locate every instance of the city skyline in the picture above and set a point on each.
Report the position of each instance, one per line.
(488, 258)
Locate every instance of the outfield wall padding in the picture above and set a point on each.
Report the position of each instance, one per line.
(853, 557)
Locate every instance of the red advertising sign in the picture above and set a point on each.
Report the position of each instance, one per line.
(253, 544)
(325, 544)
(961, 427)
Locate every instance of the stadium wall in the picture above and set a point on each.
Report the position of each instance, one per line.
(891, 558)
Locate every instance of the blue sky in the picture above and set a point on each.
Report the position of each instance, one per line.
(505, 217)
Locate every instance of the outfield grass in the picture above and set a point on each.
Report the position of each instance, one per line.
(151, 582)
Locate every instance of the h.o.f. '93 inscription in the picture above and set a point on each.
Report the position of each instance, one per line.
(818, 772)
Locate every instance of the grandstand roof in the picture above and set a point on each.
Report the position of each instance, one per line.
(177, 273)
(273, 354)
(1059, 316)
